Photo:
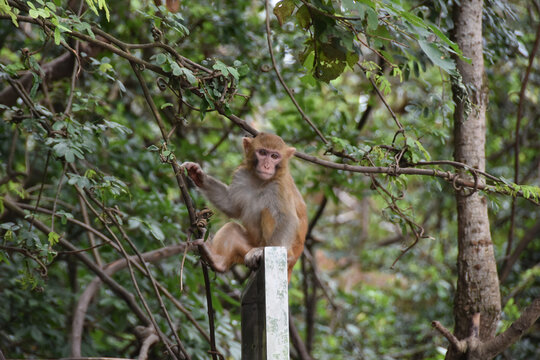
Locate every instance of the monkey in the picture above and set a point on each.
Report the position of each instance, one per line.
(263, 197)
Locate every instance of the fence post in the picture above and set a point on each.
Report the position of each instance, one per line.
(265, 309)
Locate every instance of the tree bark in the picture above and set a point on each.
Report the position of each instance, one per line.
(478, 283)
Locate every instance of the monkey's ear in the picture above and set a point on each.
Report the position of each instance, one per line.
(246, 142)
(290, 152)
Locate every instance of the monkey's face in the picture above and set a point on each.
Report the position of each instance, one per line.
(267, 163)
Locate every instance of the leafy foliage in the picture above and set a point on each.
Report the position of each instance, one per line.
(86, 162)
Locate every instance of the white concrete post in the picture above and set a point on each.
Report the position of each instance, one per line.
(265, 309)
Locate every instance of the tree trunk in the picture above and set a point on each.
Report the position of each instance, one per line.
(478, 283)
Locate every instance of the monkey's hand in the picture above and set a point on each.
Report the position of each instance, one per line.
(195, 172)
(254, 257)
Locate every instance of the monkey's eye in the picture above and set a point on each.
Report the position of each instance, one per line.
(262, 152)
(275, 156)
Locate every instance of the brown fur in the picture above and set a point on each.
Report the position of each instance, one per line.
(272, 211)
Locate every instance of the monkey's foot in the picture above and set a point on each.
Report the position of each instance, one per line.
(214, 261)
(253, 258)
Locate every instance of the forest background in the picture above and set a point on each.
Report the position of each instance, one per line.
(416, 129)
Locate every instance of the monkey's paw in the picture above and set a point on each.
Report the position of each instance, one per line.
(253, 258)
(195, 172)
(193, 245)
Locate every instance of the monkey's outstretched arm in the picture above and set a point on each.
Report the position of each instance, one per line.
(214, 190)
(219, 194)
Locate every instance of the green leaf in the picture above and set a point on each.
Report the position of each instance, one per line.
(69, 156)
(219, 66)
(105, 67)
(57, 36)
(354, 6)
(444, 38)
(372, 19)
(54, 238)
(423, 150)
(303, 17)
(234, 73)
(352, 59)
(4, 258)
(176, 69)
(64, 216)
(156, 231)
(189, 76)
(6, 9)
(160, 58)
(437, 57)
(101, 4)
(284, 10)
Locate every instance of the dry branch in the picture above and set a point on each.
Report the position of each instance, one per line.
(475, 349)
(147, 336)
(77, 325)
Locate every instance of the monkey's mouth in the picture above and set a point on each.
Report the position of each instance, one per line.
(265, 175)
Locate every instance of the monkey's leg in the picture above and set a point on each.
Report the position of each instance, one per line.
(254, 257)
(228, 247)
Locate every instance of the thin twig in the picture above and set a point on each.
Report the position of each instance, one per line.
(289, 92)
(154, 284)
(76, 70)
(42, 185)
(91, 239)
(210, 309)
(29, 254)
(383, 99)
(460, 346)
(58, 189)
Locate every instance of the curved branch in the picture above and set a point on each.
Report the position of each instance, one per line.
(108, 241)
(178, 170)
(445, 175)
(147, 336)
(502, 341)
(118, 289)
(120, 248)
(388, 107)
(474, 348)
(77, 325)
